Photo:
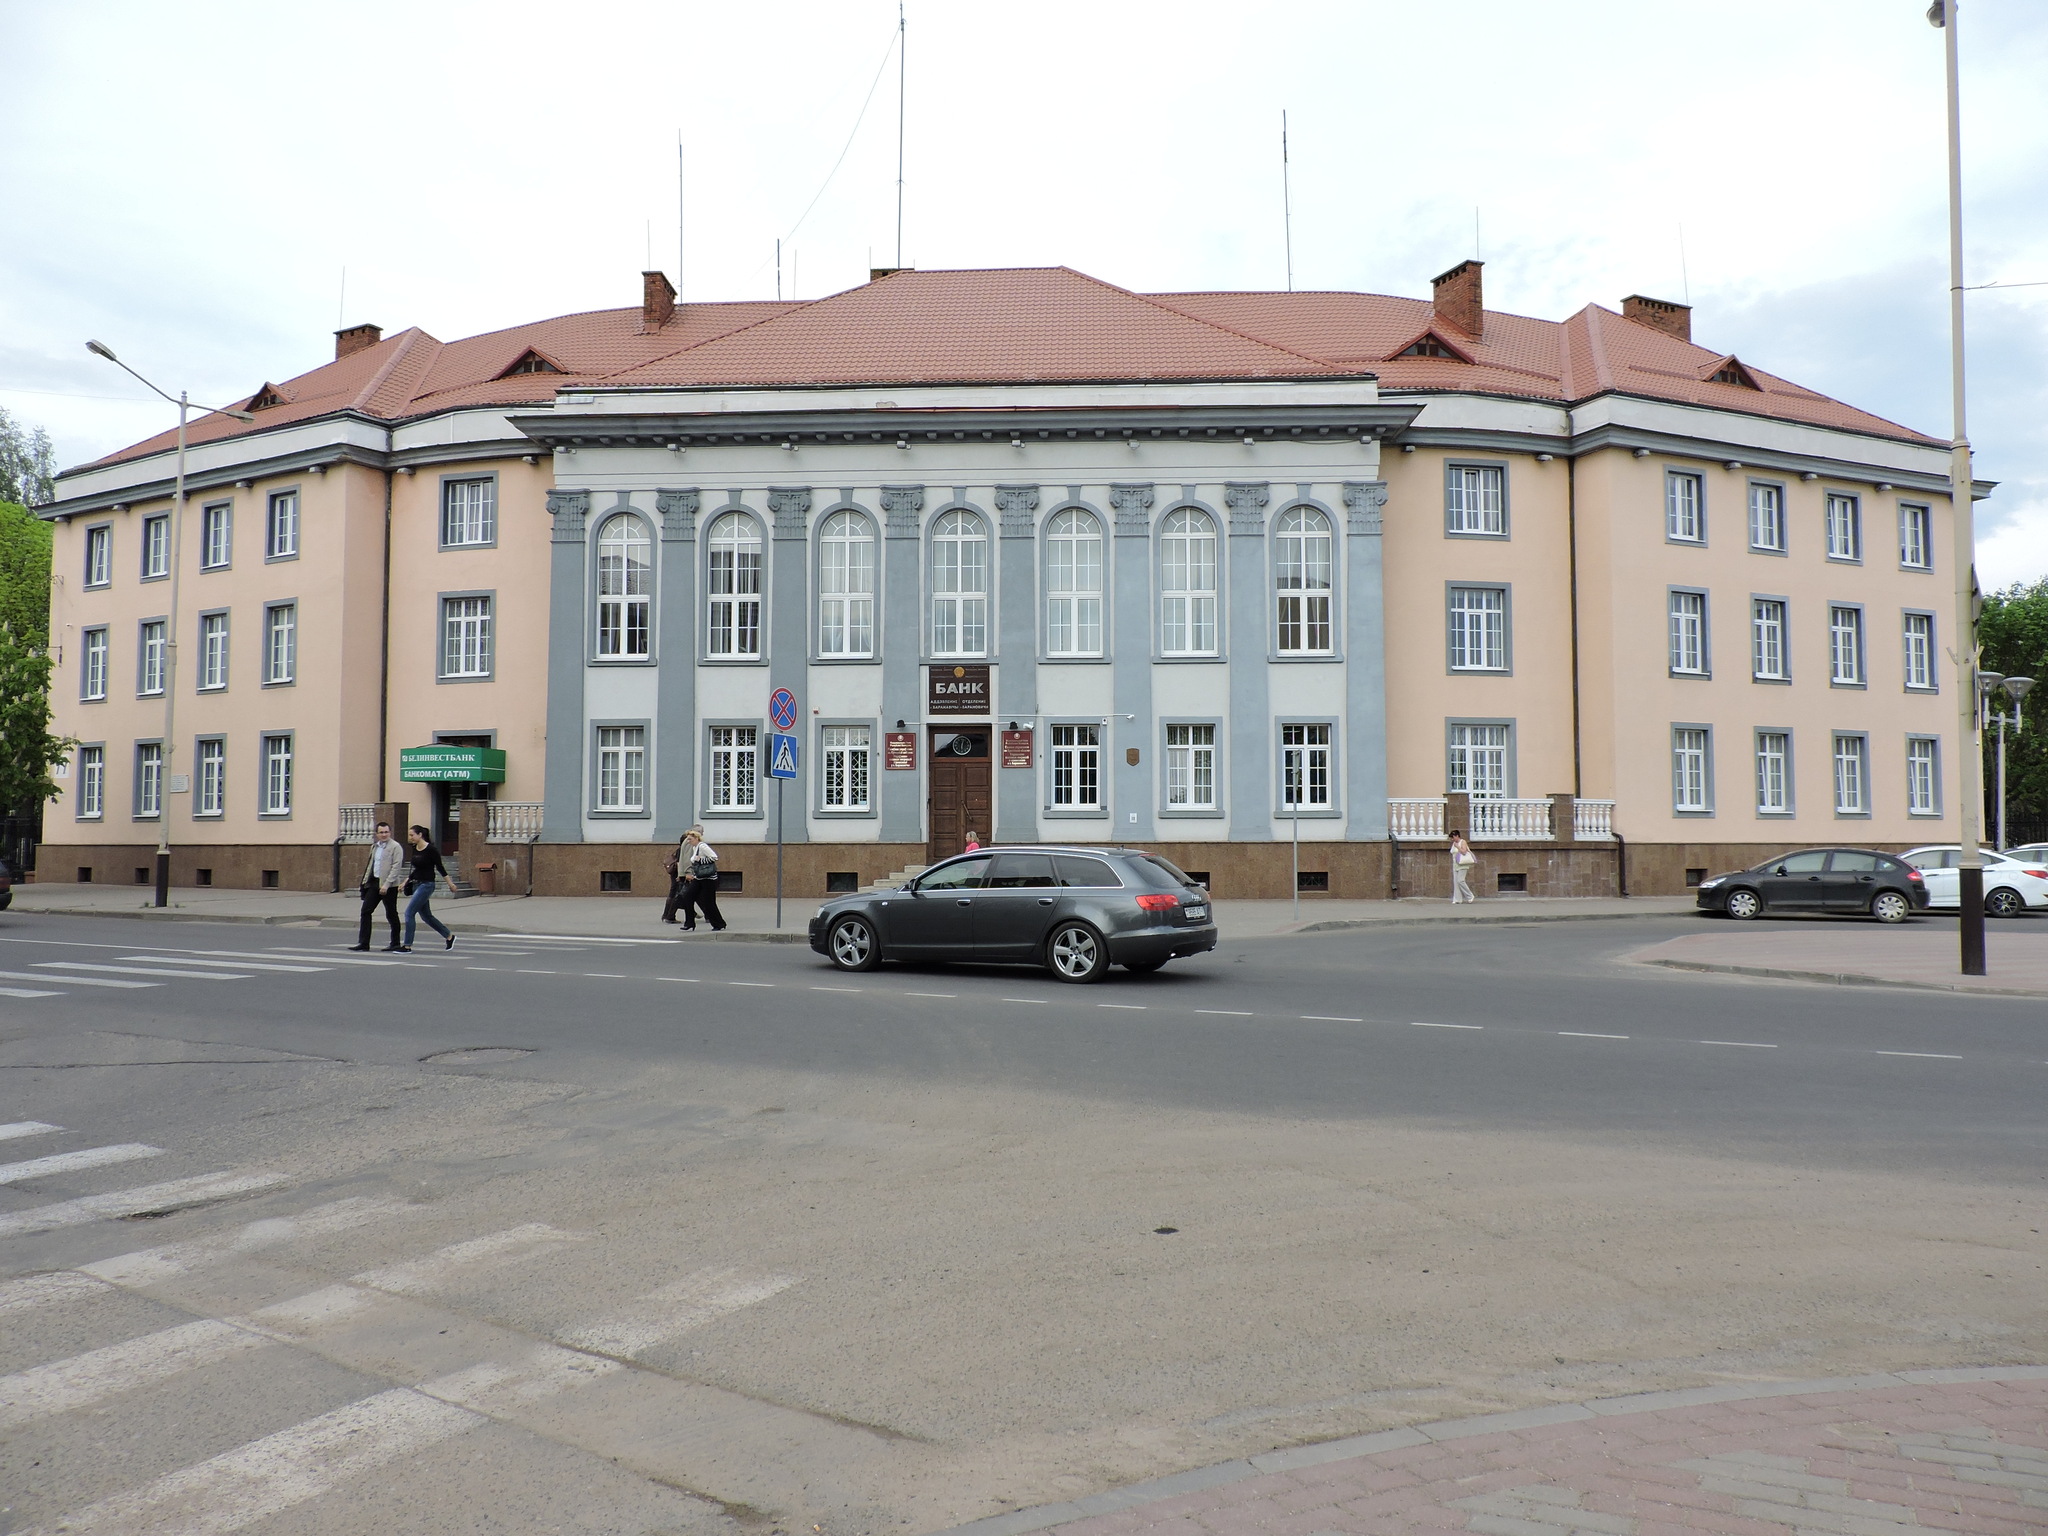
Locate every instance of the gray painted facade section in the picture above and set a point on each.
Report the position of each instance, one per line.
(1365, 662)
(1016, 790)
(789, 638)
(899, 622)
(1130, 617)
(1244, 601)
(562, 808)
(675, 719)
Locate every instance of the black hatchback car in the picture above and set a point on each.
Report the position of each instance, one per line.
(1853, 880)
(1076, 911)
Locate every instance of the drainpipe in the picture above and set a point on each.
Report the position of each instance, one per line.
(1571, 505)
(1621, 862)
(384, 656)
(337, 866)
(1393, 868)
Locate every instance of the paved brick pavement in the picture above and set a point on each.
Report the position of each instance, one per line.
(1831, 950)
(1929, 1451)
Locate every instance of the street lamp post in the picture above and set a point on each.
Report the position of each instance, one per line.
(2016, 689)
(163, 802)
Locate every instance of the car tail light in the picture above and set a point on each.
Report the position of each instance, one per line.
(2038, 874)
(1158, 903)
(1914, 874)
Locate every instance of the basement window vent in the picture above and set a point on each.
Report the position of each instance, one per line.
(731, 882)
(1694, 876)
(615, 881)
(270, 880)
(1517, 884)
(202, 876)
(1200, 877)
(840, 881)
(1312, 880)
(142, 877)
(85, 874)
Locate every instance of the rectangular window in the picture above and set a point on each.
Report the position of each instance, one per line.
(92, 677)
(216, 536)
(281, 642)
(151, 675)
(99, 556)
(1845, 643)
(735, 765)
(1304, 570)
(277, 775)
(156, 547)
(92, 782)
(849, 761)
(1919, 637)
(149, 778)
(1916, 538)
(1923, 784)
(1479, 629)
(1852, 776)
(1689, 633)
(1767, 518)
(1685, 507)
(1305, 767)
(1475, 500)
(1689, 768)
(465, 637)
(1773, 773)
(1767, 639)
(1077, 767)
(1478, 761)
(213, 650)
(212, 793)
(1845, 527)
(622, 767)
(1191, 767)
(281, 527)
(469, 511)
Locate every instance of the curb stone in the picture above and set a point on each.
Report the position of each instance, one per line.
(1844, 978)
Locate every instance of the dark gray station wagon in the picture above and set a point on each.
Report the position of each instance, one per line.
(1076, 911)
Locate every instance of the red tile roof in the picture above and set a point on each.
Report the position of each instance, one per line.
(1029, 325)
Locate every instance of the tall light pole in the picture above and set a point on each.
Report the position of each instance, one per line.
(163, 797)
(2015, 689)
(1970, 755)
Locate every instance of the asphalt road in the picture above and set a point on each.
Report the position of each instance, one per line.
(572, 1234)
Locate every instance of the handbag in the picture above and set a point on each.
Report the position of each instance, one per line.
(409, 887)
(704, 869)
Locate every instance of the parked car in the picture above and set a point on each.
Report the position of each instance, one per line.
(1820, 880)
(1076, 911)
(2011, 884)
(6, 886)
(2034, 854)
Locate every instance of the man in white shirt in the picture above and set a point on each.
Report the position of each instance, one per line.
(381, 879)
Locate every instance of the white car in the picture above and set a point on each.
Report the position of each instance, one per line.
(2011, 885)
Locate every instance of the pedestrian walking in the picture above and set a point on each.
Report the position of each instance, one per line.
(419, 885)
(380, 887)
(1462, 860)
(700, 869)
(973, 842)
(672, 865)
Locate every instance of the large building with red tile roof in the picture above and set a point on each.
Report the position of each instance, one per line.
(1038, 558)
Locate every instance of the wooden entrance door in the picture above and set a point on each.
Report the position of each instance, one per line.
(960, 799)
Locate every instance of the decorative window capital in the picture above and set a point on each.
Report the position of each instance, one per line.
(1133, 504)
(1363, 499)
(568, 509)
(1016, 503)
(1247, 503)
(678, 511)
(791, 506)
(902, 503)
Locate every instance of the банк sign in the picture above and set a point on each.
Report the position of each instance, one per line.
(957, 691)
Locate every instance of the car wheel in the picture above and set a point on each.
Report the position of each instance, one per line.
(852, 944)
(1890, 907)
(1143, 967)
(1743, 905)
(1076, 952)
(2005, 902)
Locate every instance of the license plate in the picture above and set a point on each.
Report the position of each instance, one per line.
(1194, 914)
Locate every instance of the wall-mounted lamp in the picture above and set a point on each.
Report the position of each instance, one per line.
(1642, 453)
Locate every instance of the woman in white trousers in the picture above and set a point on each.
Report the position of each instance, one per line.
(1462, 860)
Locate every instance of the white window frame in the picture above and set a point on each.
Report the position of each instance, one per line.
(279, 751)
(1772, 751)
(625, 589)
(1844, 519)
(1769, 661)
(281, 526)
(99, 555)
(149, 780)
(210, 783)
(1479, 764)
(1074, 553)
(1685, 506)
(1687, 624)
(280, 643)
(469, 512)
(732, 587)
(732, 780)
(1692, 758)
(1845, 645)
(1188, 583)
(213, 651)
(1916, 536)
(1923, 776)
(468, 635)
(1767, 517)
(152, 657)
(92, 664)
(1476, 500)
(1191, 767)
(1851, 754)
(1308, 768)
(92, 783)
(1478, 628)
(846, 758)
(1304, 584)
(1916, 635)
(1074, 768)
(156, 546)
(619, 770)
(959, 584)
(217, 536)
(846, 586)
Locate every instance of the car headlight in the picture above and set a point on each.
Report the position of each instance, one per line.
(1708, 885)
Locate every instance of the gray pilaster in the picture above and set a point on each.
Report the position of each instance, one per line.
(1365, 665)
(789, 648)
(1016, 791)
(1130, 651)
(675, 706)
(1251, 725)
(562, 811)
(899, 622)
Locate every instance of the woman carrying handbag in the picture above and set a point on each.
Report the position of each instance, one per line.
(1462, 860)
(700, 868)
(419, 887)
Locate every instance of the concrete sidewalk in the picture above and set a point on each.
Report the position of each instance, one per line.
(752, 918)
(1848, 955)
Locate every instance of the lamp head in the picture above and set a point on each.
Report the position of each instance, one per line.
(1987, 682)
(238, 415)
(2019, 687)
(1937, 14)
(101, 349)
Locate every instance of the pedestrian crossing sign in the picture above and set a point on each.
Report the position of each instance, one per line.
(781, 756)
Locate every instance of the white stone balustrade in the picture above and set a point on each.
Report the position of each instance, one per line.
(1416, 818)
(513, 821)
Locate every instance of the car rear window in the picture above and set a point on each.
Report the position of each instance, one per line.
(960, 875)
(1074, 870)
(1175, 875)
(1933, 858)
(1020, 870)
(1849, 861)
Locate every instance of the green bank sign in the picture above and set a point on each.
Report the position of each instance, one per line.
(451, 765)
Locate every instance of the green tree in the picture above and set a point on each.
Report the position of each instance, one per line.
(2013, 637)
(27, 749)
(28, 463)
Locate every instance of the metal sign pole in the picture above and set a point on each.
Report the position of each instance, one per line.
(778, 854)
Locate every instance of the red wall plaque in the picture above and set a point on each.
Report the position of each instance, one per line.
(899, 751)
(1016, 749)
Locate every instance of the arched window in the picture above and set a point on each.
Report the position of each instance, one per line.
(1073, 584)
(959, 586)
(1301, 579)
(846, 586)
(732, 586)
(625, 582)
(1187, 583)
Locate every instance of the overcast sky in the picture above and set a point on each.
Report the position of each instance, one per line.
(187, 183)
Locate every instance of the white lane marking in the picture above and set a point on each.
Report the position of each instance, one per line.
(76, 981)
(1586, 1034)
(750, 983)
(1128, 1007)
(25, 1295)
(536, 973)
(1420, 1024)
(146, 1266)
(604, 975)
(1233, 1013)
(1921, 1055)
(837, 989)
(421, 1275)
(20, 1128)
(691, 1302)
(931, 994)
(691, 979)
(294, 954)
(1331, 1018)
(280, 1471)
(578, 938)
(26, 992)
(1038, 1000)
(148, 1200)
(233, 965)
(71, 1162)
(83, 1380)
(133, 970)
(480, 967)
(1747, 1045)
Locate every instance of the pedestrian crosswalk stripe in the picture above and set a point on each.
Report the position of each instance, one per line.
(88, 1379)
(20, 1128)
(147, 1266)
(240, 965)
(691, 1302)
(34, 1291)
(75, 981)
(26, 992)
(72, 1162)
(131, 970)
(308, 954)
(426, 1274)
(146, 1200)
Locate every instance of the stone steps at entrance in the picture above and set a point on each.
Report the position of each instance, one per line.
(908, 872)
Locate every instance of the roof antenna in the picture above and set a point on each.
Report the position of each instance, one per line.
(902, 80)
(1476, 256)
(1286, 201)
(778, 269)
(1684, 276)
(679, 215)
(341, 307)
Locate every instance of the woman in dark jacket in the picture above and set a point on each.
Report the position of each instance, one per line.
(426, 863)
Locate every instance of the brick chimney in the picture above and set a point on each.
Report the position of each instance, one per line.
(657, 300)
(1458, 300)
(876, 274)
(1660, 315)
(355, 338)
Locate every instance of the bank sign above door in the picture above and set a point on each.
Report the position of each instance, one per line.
(957, 690)
(451, 765)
